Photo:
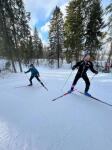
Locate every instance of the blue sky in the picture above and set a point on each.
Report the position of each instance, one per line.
(41, 11)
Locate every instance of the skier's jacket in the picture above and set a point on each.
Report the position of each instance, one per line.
(33, 71)
(83, 67)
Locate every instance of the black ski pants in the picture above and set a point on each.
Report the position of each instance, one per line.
(35, 76)
(85, 78)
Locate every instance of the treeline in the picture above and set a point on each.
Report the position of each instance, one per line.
(16, 42)
(82, 29)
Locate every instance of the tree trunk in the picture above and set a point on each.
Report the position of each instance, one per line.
(58, 60)
(17, 49)
(13, 65)
(58, 53)
(20, 66)
(110, 53)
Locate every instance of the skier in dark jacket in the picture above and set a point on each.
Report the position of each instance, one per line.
(83, 67)
(34, 73)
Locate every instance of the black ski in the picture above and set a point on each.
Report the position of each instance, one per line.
(61, 96)
(92, 97)
(23, 86)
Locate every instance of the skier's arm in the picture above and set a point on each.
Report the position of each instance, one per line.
(27, 71)
(76, 65)
(92, 69)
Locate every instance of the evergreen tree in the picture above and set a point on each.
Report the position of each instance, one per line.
(5, 31)
(40, 47)
(14, 29)
(109, 11)
(56, 37)
(74, 29)
(29, 52)
(94, 32)
(37, 45)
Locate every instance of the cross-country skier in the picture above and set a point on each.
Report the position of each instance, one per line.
(34, 73)
(83, 67)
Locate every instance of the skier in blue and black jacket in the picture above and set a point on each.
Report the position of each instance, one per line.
(34, 73)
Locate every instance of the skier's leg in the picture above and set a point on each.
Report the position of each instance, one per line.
(86, 79)
(39, 80)
(31, 80)
(77, 77)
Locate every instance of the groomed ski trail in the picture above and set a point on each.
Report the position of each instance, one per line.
(29, 120)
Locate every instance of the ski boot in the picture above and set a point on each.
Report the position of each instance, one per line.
(87, 94)
(71, 90)
(29, 84)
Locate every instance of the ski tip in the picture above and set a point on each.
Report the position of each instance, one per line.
(53, 100)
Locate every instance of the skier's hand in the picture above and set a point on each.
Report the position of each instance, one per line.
(24, 72)
(73, 68)
(96, 72)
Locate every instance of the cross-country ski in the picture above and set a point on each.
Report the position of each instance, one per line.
(61, 96)
(94, 98)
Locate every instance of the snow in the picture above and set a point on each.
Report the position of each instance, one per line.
(29, 120)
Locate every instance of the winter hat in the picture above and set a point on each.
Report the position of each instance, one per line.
(31, 65)
(86, 53)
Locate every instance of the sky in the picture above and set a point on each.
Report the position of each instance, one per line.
(41, 11)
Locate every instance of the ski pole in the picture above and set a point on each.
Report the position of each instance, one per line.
(26, 76)
(67, 80)
(43, 84)
(93, 77)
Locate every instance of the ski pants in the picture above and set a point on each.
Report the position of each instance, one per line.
(85, 78)
(35, 76)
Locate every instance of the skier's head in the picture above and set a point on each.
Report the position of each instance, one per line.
(31, 65)
(86, 57)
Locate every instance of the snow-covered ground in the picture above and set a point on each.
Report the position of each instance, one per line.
(29, 120)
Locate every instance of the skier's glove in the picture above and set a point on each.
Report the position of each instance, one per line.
(96, 72)
(73, 68)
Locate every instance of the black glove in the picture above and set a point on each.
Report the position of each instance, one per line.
(24, 72)
(96, 72)
(73, 68)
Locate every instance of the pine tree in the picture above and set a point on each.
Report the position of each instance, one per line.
(37, 45)
(21, 30)
(29, 52)
(74, 29)
(14, 29)
(56, 37)
(6, 31)
(94, 32)
(40, 46)
(109, 11)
